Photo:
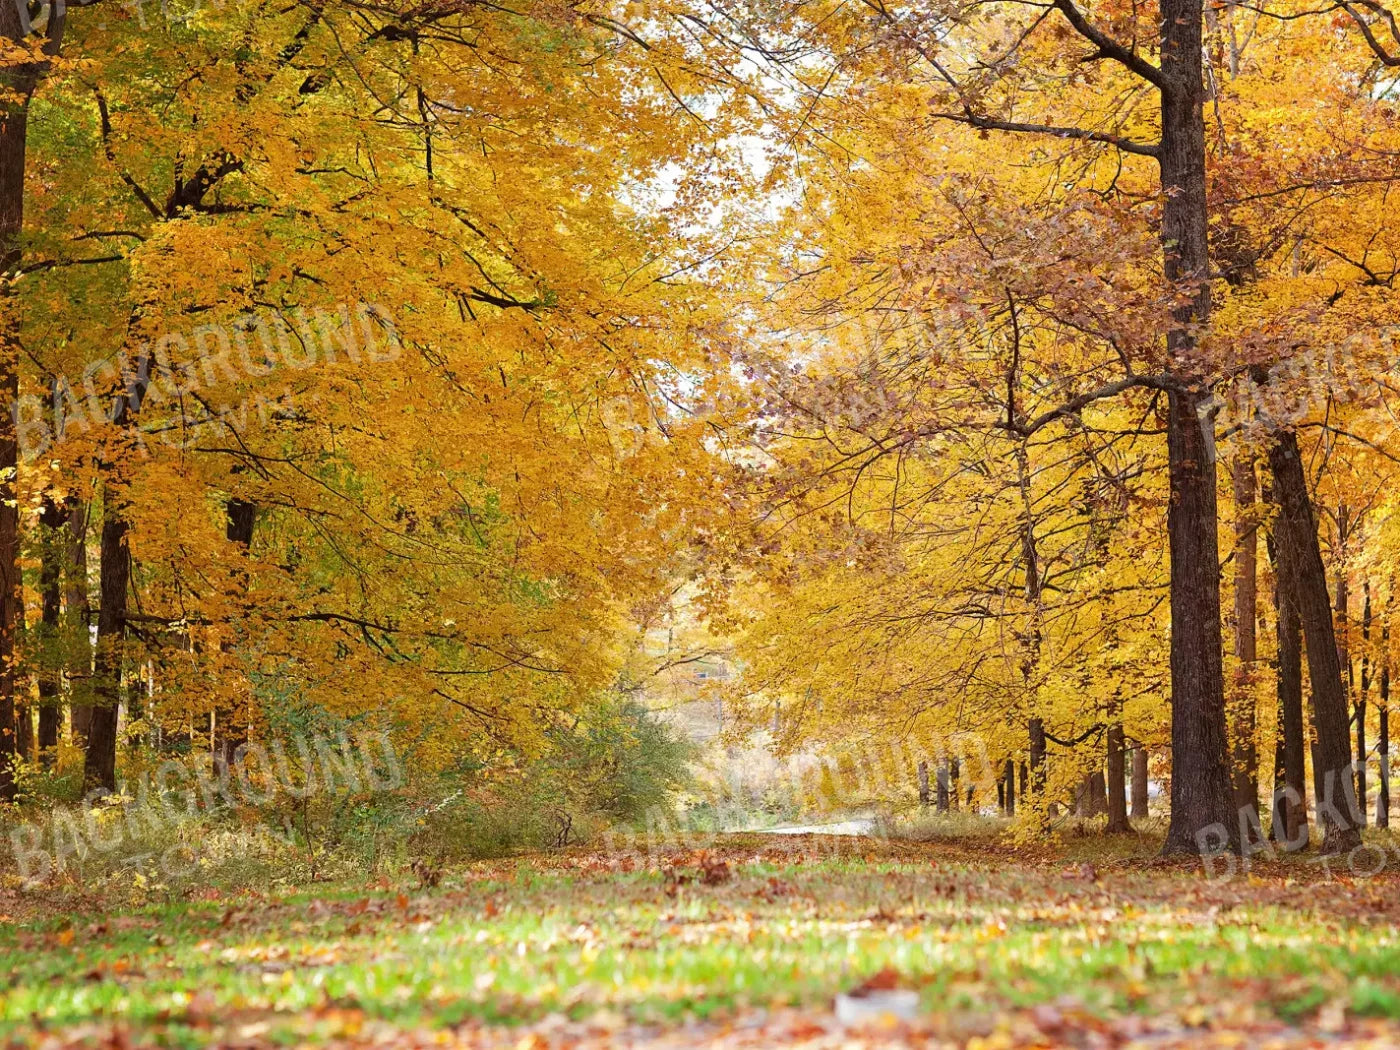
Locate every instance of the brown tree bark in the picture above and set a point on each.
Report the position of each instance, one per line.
(1292, 745)
(114, 577)
(19, 82)
(1037, 749)
(1201, 791)
(240, 516)
(1200, 786)
(1097, 794)
(1342, 628)
(1117, 781)
(77, 614)
(14, 118)
(1289, 821)
(925, 796)
(50, 597)
(1362, 695)
(1139, 783)
(1009, 775)
(1242, 699)
(114, 581)
(1301, 563)
(1383, 716)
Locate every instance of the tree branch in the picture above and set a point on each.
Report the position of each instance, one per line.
(1143, 149)
(1108, 47)
(1075, 404)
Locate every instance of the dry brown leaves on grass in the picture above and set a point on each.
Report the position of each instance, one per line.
(1267, 961)
(1058, 1026)
(701, 867)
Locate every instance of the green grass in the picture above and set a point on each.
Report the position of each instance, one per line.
(974, 930)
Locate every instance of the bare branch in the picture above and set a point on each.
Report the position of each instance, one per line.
(1103, 393)
(1144, 149)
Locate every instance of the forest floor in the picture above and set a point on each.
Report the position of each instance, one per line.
(742, 945)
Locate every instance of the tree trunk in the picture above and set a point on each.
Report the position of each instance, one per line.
(1342, 628)
(1117, 784)
(1201, 787)
(78, 619)
(1201, 790)
(924, 796)
(1009, 775)
(1036, 786)
(1098, 793)
(14, 119)
(1290, 820)
(1242, 700)
(19, 81)
(114, 579)
(1362, 695)
(1290, 706)
(1139, 783)
(1300, 562)
(1383, 714)
(941, 780)
(50, 597)
(240, 516)
(1037, 778)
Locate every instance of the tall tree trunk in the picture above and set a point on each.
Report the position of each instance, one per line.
(1201, 788)
(240, 516)
(19, 80)
(1292, 743)
(1037, 770)
(1290, 811)
(941, 784)
(1300, 561)
(1242, 700)
(1009, 775)
(1362, 694)
(925, 798)
(1383, 715)
(24, 713)
(1342, 628)
(14, 119)
(114, 579)
(1139, 783)
(77, 614)
(50, 597)
(1097, 793)
(1117, 781)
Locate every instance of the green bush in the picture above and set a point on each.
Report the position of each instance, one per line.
(611, 766)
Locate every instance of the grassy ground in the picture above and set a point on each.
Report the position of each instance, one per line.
(746, 945)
